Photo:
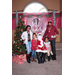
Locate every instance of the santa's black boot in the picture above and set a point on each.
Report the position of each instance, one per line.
(44, 57)
(39, 57)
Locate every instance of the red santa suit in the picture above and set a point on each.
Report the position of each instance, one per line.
(40, 43)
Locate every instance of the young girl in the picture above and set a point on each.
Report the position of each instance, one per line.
(48, 46)
(34, 47)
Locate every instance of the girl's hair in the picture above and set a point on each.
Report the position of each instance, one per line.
(45, 38)
(28, 26)
(34, 34)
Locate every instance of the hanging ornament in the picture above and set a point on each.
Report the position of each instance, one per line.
(20, 50)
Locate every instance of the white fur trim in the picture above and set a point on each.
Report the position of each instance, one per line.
(44, 51)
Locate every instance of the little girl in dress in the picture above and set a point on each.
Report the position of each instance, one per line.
(48, 46)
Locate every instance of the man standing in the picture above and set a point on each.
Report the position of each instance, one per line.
(52, 34)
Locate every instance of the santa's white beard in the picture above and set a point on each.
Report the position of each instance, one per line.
(41, 41)
(40, 38)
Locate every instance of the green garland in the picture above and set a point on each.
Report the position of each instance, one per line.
(48, 15)
(61, 13)
(39, 15)
(30, 16)
(14, 16)
(57, 15)
(22, 16)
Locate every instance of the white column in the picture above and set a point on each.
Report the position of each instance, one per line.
(16, 18)
(54, 17)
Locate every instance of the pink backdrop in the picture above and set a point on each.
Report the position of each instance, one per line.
(43, 20)
(58, 20)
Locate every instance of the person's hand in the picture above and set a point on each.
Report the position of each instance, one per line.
(24, 39)
(55, 36)
(43, 47)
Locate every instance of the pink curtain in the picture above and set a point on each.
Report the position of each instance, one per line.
(50, 18)
(13, 22)
(58, 20)
(61, 18)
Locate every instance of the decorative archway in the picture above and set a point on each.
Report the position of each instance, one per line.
(35, 7)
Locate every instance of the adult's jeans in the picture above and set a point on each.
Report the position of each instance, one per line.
(28, 46)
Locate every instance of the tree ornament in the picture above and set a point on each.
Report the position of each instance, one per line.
(20, 24)
(23, 23)
(20, 50)
(18, 47)
(20, 16)
(19, 43)
(21, 30)
(14, 41)
(18, 40)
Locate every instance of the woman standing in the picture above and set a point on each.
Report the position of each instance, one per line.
(27, 37)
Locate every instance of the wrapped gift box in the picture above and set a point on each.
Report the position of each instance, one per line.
(20, 62)
(19, 58)
(13, 59)
(24, 59)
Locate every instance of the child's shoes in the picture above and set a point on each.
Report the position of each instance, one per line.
(34, 59)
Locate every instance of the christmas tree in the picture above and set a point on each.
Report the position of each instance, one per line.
(18, 46)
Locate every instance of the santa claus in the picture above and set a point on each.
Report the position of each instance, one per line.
(41, 50)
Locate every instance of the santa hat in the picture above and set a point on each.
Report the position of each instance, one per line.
(38, 32)
(49, 21)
